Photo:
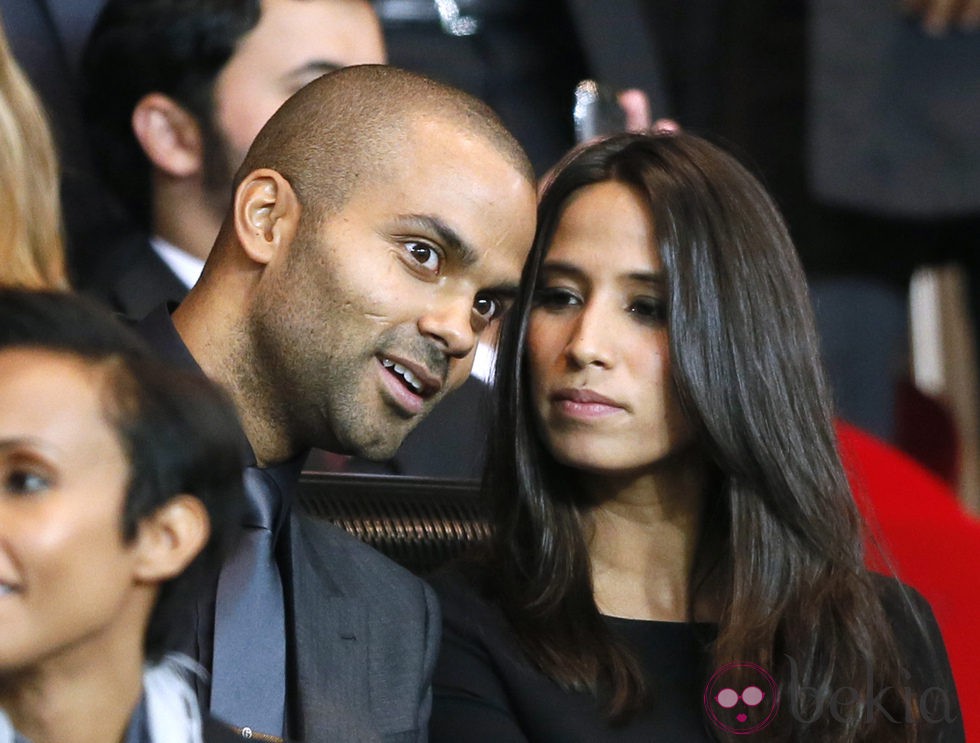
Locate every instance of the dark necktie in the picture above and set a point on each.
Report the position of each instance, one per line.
(248, 678)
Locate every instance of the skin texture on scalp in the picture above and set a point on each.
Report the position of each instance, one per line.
(333, 135)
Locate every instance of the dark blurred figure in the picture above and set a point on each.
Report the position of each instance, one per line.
(45, 37)
(175, 91)
(524, 58)
(893, 161)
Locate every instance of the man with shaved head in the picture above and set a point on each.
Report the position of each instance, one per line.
(378, 227)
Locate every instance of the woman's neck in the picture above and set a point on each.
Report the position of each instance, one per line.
(83, 700)
(643, 538)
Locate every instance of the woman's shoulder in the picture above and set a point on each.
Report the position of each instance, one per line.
(462, 580)
(913, 624)
(905, 607)
(916, 632)
(465, 591)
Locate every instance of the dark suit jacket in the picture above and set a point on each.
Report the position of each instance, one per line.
(365, 643)
(131, 278)
(362, 632)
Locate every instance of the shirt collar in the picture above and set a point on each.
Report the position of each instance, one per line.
(185, 266)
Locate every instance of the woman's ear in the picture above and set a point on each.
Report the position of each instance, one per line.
(170, 538)
(266, 214)
(169, 135)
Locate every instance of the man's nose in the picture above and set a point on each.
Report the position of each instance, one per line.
(449, 324)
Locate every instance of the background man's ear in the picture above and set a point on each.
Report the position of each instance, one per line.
(170, 538)
(169, 135)
(266, 214)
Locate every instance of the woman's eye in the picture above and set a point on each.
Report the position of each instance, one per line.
(649, 310)
(25, 482)
(555, 297)
(425, 255)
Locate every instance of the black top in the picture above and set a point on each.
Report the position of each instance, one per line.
(485, 689)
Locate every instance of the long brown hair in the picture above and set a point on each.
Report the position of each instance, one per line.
(780, 532)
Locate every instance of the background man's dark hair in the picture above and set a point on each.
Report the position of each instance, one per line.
(174, 47)
(178, 431)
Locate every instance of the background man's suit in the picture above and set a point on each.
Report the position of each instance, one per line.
(131, 278)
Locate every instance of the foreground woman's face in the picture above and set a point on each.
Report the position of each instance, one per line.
(65, 573)
(597, 339)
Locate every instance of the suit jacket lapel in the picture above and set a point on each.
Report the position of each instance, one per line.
(73, 20)
(148, 282)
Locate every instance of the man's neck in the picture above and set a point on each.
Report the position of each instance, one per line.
(220, 344)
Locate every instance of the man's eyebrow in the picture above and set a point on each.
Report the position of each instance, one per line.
(446, 235)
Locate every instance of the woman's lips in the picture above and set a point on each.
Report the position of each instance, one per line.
(584, 403)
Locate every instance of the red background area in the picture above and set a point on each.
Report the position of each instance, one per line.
(919, 528)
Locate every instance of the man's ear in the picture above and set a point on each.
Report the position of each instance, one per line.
(170, 538)
(266, 213)
(169, 135)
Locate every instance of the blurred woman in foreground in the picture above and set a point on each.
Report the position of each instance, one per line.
(120, 488)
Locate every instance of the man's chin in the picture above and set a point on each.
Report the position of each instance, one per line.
(380, 448)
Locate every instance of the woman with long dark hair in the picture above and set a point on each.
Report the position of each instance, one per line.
(676, 552)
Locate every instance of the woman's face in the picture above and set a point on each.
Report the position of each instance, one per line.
(65, 572)
(597, 340)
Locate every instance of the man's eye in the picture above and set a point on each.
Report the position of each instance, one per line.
(25, 482)
(487, 307)
(425, 255)
(555, 297)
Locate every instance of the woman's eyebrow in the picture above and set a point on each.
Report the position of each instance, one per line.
(17, 442)
(656, 279)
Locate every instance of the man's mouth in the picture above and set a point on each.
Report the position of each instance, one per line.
(415, 377)
(408, 378)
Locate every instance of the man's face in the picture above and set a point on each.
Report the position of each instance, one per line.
(370, 317)
(294, 42)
